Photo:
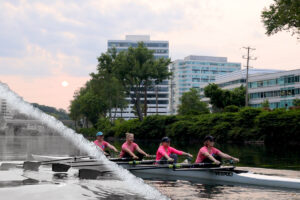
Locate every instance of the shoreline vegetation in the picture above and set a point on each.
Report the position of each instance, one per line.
(247, 125)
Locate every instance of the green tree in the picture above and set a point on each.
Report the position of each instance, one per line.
(191, 103)
(91, 107)
(137, 69)
(282, 15)
(238, 96)
(87, 106)
(265, 104)
(106, 85)
(296, 102)
(219, 98)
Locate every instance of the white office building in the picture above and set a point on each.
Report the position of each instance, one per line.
(157, 97)
(279, 87)
(194, 72)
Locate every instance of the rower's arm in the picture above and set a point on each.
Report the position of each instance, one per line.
(167, 156)
(187, 154)
(129, 152)
(141, 151)
(210, 157)
(226, 156)
(112, 147)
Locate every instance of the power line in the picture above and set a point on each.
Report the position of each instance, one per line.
(248, 57)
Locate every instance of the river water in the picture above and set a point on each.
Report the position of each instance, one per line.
(46, 185)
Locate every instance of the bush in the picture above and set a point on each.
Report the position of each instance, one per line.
(278, 126)
(132, 126)
(231, 108)
(105, 126)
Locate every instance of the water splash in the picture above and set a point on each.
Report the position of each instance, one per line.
(134, 184)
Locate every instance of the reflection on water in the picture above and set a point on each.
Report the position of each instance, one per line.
(21, 147)
(188, 190)
(47, 185)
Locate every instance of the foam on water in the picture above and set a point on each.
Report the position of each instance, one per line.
(134, 184)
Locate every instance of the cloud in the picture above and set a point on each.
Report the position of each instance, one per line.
(53, 38)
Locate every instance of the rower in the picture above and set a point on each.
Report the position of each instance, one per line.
(129, 148)
(209, 154)
(103, 144)
(166, 154)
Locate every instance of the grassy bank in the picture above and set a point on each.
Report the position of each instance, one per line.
(248, 124)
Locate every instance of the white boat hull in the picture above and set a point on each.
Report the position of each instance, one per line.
(220, 177)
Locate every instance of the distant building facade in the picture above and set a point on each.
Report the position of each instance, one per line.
(5, 110)
(194, 72)
(279, 87)
(158, 97)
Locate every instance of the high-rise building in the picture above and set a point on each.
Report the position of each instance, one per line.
(157, 97)
(195, 71)
(279, 87)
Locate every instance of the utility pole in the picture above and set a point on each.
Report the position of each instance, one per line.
(248, 58)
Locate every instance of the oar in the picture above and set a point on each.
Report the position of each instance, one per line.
(34, 165)
(64, 167)
(128, 159)
(177, 166)
(91, 174)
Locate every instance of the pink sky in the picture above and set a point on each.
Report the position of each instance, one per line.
(46, 91)
(44, 43)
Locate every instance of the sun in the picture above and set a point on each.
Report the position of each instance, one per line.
(64, 83)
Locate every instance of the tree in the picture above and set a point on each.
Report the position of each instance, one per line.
(87, 106)
(265, 104)
(191, 103)
(137, 69)
(296, 102)
(106, 85)
(238, 96)
(219, 98)
(282, 15)
(91, 107)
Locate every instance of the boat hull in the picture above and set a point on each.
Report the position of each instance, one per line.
(219, 177)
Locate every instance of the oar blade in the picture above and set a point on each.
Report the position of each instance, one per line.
(60, 167)
(93, 174)
(31, 165)
(8, 166)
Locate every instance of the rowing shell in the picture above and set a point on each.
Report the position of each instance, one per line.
(217, 175)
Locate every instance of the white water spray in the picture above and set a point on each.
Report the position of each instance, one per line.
(135, 184)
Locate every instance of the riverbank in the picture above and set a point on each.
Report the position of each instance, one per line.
(248, 125)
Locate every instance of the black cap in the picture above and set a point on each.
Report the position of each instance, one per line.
(165, 139)
(209, 137)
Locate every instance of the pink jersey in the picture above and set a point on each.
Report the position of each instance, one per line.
(201, 156)
(102, 145)
(161, 152)
(132, 147)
